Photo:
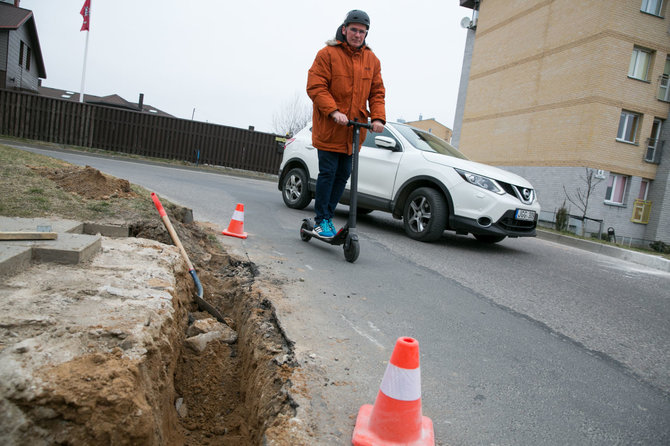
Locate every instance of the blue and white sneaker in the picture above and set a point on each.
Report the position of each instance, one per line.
(332, 227)
(323, 229)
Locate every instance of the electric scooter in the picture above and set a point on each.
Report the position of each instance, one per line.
(347, 236)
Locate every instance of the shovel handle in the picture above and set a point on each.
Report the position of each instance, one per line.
(171, 231)
(158, 204)
(202, 303)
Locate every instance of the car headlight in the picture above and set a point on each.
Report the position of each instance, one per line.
(481, 181)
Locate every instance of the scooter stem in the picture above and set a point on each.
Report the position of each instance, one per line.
(353, 193)
(353, 199)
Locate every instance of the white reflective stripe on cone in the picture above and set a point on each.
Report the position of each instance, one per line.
(239, 216)
(401, 384)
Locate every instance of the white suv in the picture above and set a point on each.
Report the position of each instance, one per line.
(423, 180)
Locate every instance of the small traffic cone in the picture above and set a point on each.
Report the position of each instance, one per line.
(395, 418)
(236, 226)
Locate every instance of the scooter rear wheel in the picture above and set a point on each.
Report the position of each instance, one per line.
(304, 232)
(351, 251)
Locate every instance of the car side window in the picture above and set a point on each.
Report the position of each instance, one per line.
(370, 138)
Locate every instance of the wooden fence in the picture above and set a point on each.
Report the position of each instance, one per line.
(30, 116)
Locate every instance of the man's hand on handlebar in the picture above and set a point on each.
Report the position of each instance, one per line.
(377, 126)
(339, 118)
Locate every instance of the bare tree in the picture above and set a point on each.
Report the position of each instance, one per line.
(581, 196)
(293, 116)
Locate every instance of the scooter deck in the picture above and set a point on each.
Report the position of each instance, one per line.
(338, 239)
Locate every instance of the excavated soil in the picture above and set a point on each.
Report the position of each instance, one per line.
(104, 360)
(88, 182)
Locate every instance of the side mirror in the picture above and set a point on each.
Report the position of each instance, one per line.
(386, 143)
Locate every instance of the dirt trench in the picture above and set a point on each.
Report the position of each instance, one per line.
(235, 390)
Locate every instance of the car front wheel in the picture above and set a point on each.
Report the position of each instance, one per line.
(294, 189)
(425, 215)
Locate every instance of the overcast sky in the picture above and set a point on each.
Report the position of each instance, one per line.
(239, 63)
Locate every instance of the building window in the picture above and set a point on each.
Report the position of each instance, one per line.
(642, 207)
(644, 190)
(652, 7)
(616, 189)
(640, 62)
(663, 84)
(628, 125)
(24, 56)
(654, 143)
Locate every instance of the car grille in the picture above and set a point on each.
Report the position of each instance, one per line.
(524, 194)
(507, 221)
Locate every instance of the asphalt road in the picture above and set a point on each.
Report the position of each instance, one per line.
(526, 342)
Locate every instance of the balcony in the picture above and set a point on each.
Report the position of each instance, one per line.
(641, 211)
(654, 151)
(664, 88)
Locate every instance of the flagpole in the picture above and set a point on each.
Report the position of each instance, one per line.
(86, 15)
(83, 73)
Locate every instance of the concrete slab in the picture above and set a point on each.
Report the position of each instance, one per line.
(106, 230)
(70, 247)
(67, 248)
(11, 224)
(14, 259)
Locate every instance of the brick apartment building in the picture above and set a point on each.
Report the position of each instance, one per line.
(433, 126)
(553, 89)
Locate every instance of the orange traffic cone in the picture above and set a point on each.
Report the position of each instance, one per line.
(236, 226)
(396, 417)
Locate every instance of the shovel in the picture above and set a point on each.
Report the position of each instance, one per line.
(203, 305)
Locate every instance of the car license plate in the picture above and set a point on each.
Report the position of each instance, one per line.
(525, 215)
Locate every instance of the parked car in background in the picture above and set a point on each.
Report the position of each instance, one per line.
(423, 180)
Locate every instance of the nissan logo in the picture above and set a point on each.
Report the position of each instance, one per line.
(526, 193)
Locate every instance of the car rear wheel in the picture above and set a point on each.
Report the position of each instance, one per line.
(487, 238)
(294, 189)
(425, 215)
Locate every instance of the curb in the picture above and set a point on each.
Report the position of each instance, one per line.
(648, 260)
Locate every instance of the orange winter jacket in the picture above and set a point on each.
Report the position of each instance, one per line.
(342, 78)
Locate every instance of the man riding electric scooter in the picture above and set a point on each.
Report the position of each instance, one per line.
(344, 79)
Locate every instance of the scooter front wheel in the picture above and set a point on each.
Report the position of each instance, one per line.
(305, 229)
(351, 250)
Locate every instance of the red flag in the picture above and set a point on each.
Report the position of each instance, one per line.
(85, 12)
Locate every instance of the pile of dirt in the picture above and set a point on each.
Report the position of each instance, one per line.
(88, 182)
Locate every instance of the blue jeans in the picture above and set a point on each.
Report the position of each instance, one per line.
(334, 171)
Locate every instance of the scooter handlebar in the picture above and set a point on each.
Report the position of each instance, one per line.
(360, 124)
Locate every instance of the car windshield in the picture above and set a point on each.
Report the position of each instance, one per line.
(428, 142)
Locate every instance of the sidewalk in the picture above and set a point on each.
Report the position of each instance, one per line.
(640, 258)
